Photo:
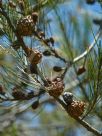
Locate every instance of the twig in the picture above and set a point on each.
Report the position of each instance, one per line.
(89, 127)
(89, 48)
(53, 51)
(82, 122)
(84, 54)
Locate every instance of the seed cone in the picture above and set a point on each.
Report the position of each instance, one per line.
(47, 53)
(29, 95)
(2, 92)
(41, 34)
(76, 108)
(33, 69)
(56, 87)
(25, 26)
(35, 105)
(52, 40)
(18, 94)
(35, 57)
(81, 70)
(90, 2)
(35, 17)
(57, 69)
(97, 21)
(68, 97)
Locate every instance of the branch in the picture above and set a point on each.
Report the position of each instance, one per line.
(3, 12)
(82, 122)
(26, 98)
(89, 48)
(89, 127)
(84, 54)
(47, 44)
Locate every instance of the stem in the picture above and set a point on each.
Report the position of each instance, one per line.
(53, 50)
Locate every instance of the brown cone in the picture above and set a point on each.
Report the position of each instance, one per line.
(12, 4)
(56, 87)
(35, 57)
(18, 94)
(2, 92)
(25, 26)
(76, 108)
(35, 17)
(81, 70)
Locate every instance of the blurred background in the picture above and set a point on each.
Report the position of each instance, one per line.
(73, 24)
